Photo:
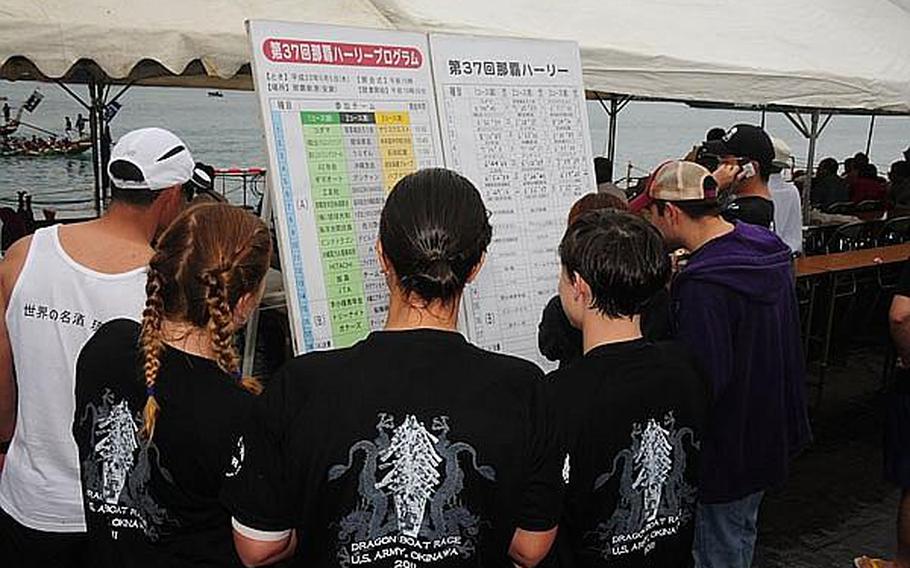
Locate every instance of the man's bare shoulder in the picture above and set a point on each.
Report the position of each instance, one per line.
(15, 255)
(12, 264)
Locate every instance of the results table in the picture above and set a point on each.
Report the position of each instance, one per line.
(514, 122)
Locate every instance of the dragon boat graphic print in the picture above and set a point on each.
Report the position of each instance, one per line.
(118, 467)
(655, 500)
(410, 482)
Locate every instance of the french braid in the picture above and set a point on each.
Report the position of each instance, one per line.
(151, 344)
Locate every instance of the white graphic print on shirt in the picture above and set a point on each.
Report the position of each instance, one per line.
(236, 458)
(412, 477)
(115, 448)
(410, 485)
(654, 498)
(117, 470)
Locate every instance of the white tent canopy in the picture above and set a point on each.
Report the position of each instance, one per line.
(828, 54)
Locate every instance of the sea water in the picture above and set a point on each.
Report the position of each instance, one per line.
(226, 132)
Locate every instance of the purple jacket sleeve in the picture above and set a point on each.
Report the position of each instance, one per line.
(704, 324)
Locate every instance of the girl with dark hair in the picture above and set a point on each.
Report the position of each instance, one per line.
(159, 405)
(412, 447)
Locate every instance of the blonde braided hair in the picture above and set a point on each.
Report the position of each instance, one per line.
(152, 345)
(221, 327)
(212, 256)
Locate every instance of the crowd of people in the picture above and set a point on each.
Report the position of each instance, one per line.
(130, 436)
(41, 146)
(861, 182)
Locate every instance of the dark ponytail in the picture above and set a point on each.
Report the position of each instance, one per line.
(434, 230)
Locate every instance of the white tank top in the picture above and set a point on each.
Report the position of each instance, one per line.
(54, 308)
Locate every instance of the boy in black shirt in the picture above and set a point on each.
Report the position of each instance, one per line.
(631, 412)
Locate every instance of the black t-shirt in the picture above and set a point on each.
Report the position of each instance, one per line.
(411, 448)
(631, 417)
(155, 503)
(559, 341)
(751, 209)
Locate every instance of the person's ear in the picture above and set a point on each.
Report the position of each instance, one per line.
(476, 270)
(580, 289)
(384, 263)
(672, 213)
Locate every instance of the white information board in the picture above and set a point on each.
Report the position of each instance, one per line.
(347, 113)
(514, 121)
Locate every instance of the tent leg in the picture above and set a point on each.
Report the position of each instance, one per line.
(611, 141)
(96, 156)
(252, 326)
(101, 143)
(104, 140)
(871, 130)
(617, 103)
(101, 147)
(810, 163)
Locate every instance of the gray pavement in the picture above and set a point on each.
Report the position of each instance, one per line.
(835, 506)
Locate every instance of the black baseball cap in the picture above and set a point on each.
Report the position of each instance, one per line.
(745, 141)
(203, 177)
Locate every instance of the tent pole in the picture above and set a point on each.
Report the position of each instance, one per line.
(810, 163)
(763, 117)
(252, 327)
(96, 157)
(617, 103)
(104, 143)
(611, 142)
(871, 129)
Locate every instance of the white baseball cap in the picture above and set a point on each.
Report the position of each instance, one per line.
(782, 153)
(162, 159)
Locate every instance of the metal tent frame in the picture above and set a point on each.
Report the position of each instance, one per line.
(98, 93)
(810, 128)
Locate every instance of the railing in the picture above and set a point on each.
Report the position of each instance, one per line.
(242, 186)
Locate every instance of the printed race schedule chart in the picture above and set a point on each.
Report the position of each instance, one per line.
(513, 121)
(347, 114)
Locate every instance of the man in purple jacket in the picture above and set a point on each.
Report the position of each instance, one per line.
(734, 305)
